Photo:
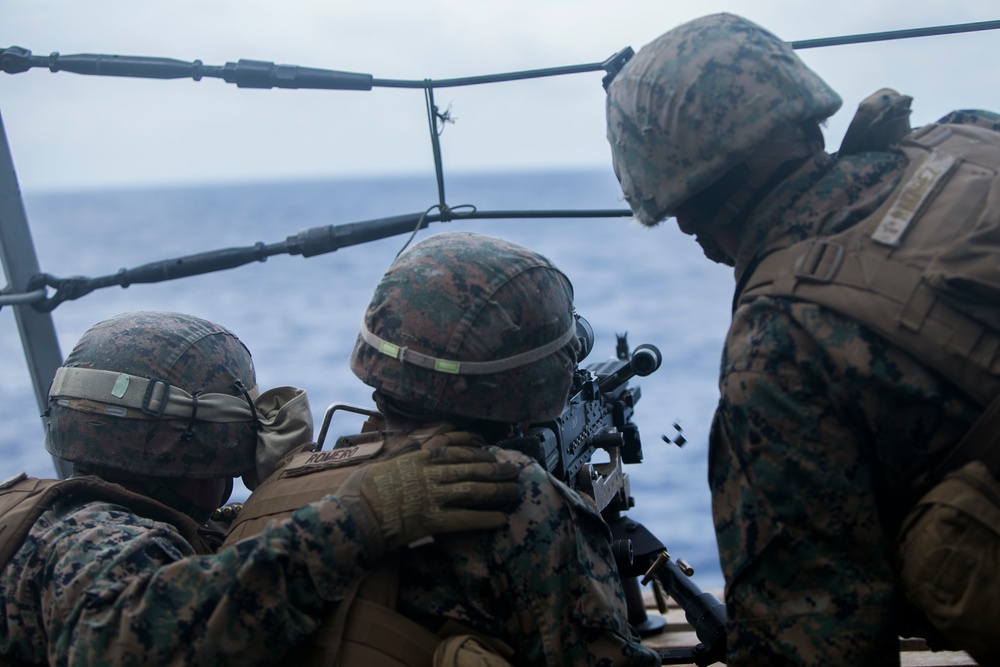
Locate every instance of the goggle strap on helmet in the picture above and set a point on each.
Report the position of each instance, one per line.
(152, 397)
(407, 356)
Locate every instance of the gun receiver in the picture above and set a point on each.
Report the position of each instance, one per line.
(598, 415)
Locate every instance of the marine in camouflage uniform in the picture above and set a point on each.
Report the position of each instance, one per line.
(822, 425)
(116, 573)
(465, 337)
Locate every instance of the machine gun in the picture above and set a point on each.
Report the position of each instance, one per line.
(598, 416)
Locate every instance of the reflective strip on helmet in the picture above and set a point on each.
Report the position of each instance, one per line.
(407, 356)
(147, 395)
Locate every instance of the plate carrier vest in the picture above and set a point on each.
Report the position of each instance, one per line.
(363, 629)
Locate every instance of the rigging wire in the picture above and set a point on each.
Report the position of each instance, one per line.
(260, 74)
(888, 35)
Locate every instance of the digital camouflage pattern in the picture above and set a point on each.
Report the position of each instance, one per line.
(545, 582)
(469, 297)
(820, 429)
(97, 584)
(697, 101)
(186, 351)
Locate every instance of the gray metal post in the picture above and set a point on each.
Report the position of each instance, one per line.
(17, 252)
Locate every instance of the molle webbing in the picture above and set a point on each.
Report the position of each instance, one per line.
(364, 630)
(24, 499)
(887, 271)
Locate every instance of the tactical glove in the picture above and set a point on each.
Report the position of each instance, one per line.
(399, 501)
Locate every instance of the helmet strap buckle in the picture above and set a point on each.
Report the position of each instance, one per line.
(163, 398)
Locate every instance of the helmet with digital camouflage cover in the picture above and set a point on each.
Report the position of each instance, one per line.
(698, 101)
(471, 326)
(155, 394)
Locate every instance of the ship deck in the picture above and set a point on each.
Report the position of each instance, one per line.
(678, 633)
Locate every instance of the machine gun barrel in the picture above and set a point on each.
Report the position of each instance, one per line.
(644, 360)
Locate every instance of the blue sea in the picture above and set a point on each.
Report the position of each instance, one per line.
(300, 316)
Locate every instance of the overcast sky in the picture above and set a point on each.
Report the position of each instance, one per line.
(73, 131)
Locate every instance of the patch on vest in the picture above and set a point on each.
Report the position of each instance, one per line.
(915, 192)
(307, 462)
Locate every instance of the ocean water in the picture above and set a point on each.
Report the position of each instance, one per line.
(299, 316)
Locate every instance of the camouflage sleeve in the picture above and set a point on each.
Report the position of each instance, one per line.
(557, 554)
(105, 586)
(821, 428)
(793, 490)
(596, 631)
(546, 583)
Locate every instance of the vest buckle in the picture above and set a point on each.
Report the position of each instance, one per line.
(820, 262)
